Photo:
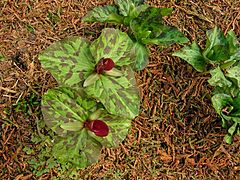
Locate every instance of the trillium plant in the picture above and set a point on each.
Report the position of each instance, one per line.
(145, 25)
(96, 97)
(221, 58)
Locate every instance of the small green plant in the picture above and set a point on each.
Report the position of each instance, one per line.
(145, 24)
(96, 98)
(76, 63)
(221, 57)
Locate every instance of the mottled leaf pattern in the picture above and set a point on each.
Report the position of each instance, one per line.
(218, 78)
(234, 73)
(119, 127)
(79, 149)
(169, 35)
(142, 55)
(65, 112)
(63, 105)
(192, 54)
(113, 44)
(106, 13)
(119, 95)
(68, 61)
(148, 28)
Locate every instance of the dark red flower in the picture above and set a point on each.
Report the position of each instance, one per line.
(99, 127)
(105, 64)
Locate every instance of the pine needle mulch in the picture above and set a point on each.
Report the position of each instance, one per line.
(178, 135)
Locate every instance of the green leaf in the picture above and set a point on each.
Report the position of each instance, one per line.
(119, 127)
(91, 79)
(234, 73)
(142, 55)
(124, 6)
(233, 128)
(220, 101)
(79, 149)
(2, 58)
(119, 95)
(61, 106)
(232, 42)
(72, 126)
(68, 60)
(217, 46)
(228, 138)
(193, 56)
(147, 24)
(169, 35)
(113, 44)
(106, 13)
(218, 78)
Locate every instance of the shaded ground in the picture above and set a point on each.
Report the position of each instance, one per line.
(178, 135)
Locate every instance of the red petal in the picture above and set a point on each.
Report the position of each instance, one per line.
(105, 64)
(99, 127)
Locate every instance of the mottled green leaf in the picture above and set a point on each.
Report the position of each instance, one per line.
(113, 44)
(147, 24)
(79, 149)
(124, 6)
(148, 28)
(232, 42)
(68, 60)
(192, 54)
(119, 127)
(218, 78)
(106, 13)
(169, 35)
(119, 95)
(142, 55)
(234, 73)
(217, 46)
(220, 101)
(63, 105)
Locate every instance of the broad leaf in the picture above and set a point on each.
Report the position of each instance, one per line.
(193, 56)
(61, 106)
(233, 43)
(119, 127)
(217, 46)
(106, 13)
(234, 73)
(218, 78)
(66, 113)
(119, 95)
(124, 6)
(79, 149)
(115, 45)
(68, 60)
(147, 24)
(142, 55)
(169, 35)
(220, 101)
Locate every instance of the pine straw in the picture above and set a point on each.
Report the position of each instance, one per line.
(177, 135)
